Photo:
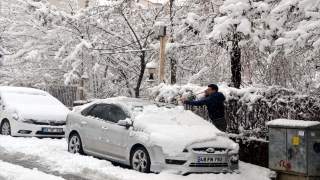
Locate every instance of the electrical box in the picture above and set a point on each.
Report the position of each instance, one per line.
(294, 149)
(160, 30)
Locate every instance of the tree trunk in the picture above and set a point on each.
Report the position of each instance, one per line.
(235, 63)
(173, 70)
(143, 67)
(172, 59)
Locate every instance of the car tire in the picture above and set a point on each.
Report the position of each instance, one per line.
(75, 144)
(140, 160)
(5, 128)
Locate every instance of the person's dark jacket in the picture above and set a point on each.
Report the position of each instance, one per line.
(214, 103)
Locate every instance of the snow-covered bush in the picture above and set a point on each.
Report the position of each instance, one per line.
(249, 109)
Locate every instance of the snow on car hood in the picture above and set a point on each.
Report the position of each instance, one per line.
(175, 129)
(39, 107)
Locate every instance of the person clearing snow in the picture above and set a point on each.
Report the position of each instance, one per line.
(214, 102)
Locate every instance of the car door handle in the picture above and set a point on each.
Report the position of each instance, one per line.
(104, 128)
(83, 122)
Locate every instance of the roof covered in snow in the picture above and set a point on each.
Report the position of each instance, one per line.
(292, 123)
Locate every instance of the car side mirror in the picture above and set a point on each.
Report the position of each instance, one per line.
(127, 123)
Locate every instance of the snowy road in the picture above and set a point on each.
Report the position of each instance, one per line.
(33, 158)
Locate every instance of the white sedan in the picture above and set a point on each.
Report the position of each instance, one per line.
(148, 138)
(31, 112)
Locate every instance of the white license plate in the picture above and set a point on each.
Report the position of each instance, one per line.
(218, 159)
(52, 130)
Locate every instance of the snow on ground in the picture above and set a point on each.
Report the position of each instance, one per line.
(53, 154)
(14, 172)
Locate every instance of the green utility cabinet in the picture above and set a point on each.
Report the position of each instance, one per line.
(294, 149)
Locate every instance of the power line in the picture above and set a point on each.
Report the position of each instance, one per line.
(126, 44)
(129, 51)
(144, 50)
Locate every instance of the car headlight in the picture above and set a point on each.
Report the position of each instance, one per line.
(30, 121)
(15, 117)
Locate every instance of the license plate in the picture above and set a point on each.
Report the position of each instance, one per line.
(211, 159)
(52, 130)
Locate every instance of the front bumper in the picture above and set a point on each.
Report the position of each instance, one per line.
(193, 166)
(31, 130)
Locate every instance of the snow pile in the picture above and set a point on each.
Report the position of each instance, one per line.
(159, 23)
(14, 172)
(27, 103)
(168, 129)
(292, 123)
(152, 65)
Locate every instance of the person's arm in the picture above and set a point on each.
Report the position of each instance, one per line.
(197, 103)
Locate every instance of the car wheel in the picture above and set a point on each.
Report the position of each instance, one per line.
(5, 128)
(140, 160)
(75, 145)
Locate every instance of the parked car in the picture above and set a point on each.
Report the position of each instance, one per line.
(150, 138)
(31, 112)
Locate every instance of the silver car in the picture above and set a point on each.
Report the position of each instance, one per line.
(112, 129)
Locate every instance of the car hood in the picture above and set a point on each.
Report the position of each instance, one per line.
(175, 129)
(38, 113)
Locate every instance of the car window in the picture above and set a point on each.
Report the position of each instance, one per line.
(86, 111)
(116, 114)
(100, 111)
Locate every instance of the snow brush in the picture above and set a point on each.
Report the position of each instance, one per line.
(173, 102)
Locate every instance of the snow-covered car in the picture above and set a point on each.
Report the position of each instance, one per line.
(150, 138)
(31, 112)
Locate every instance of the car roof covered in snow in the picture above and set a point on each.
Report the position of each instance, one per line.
(22, 90)
(27, 103)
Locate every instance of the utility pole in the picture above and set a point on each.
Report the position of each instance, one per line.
(160, 31)
(161, 57)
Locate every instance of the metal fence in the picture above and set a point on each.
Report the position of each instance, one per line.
(65, 94)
